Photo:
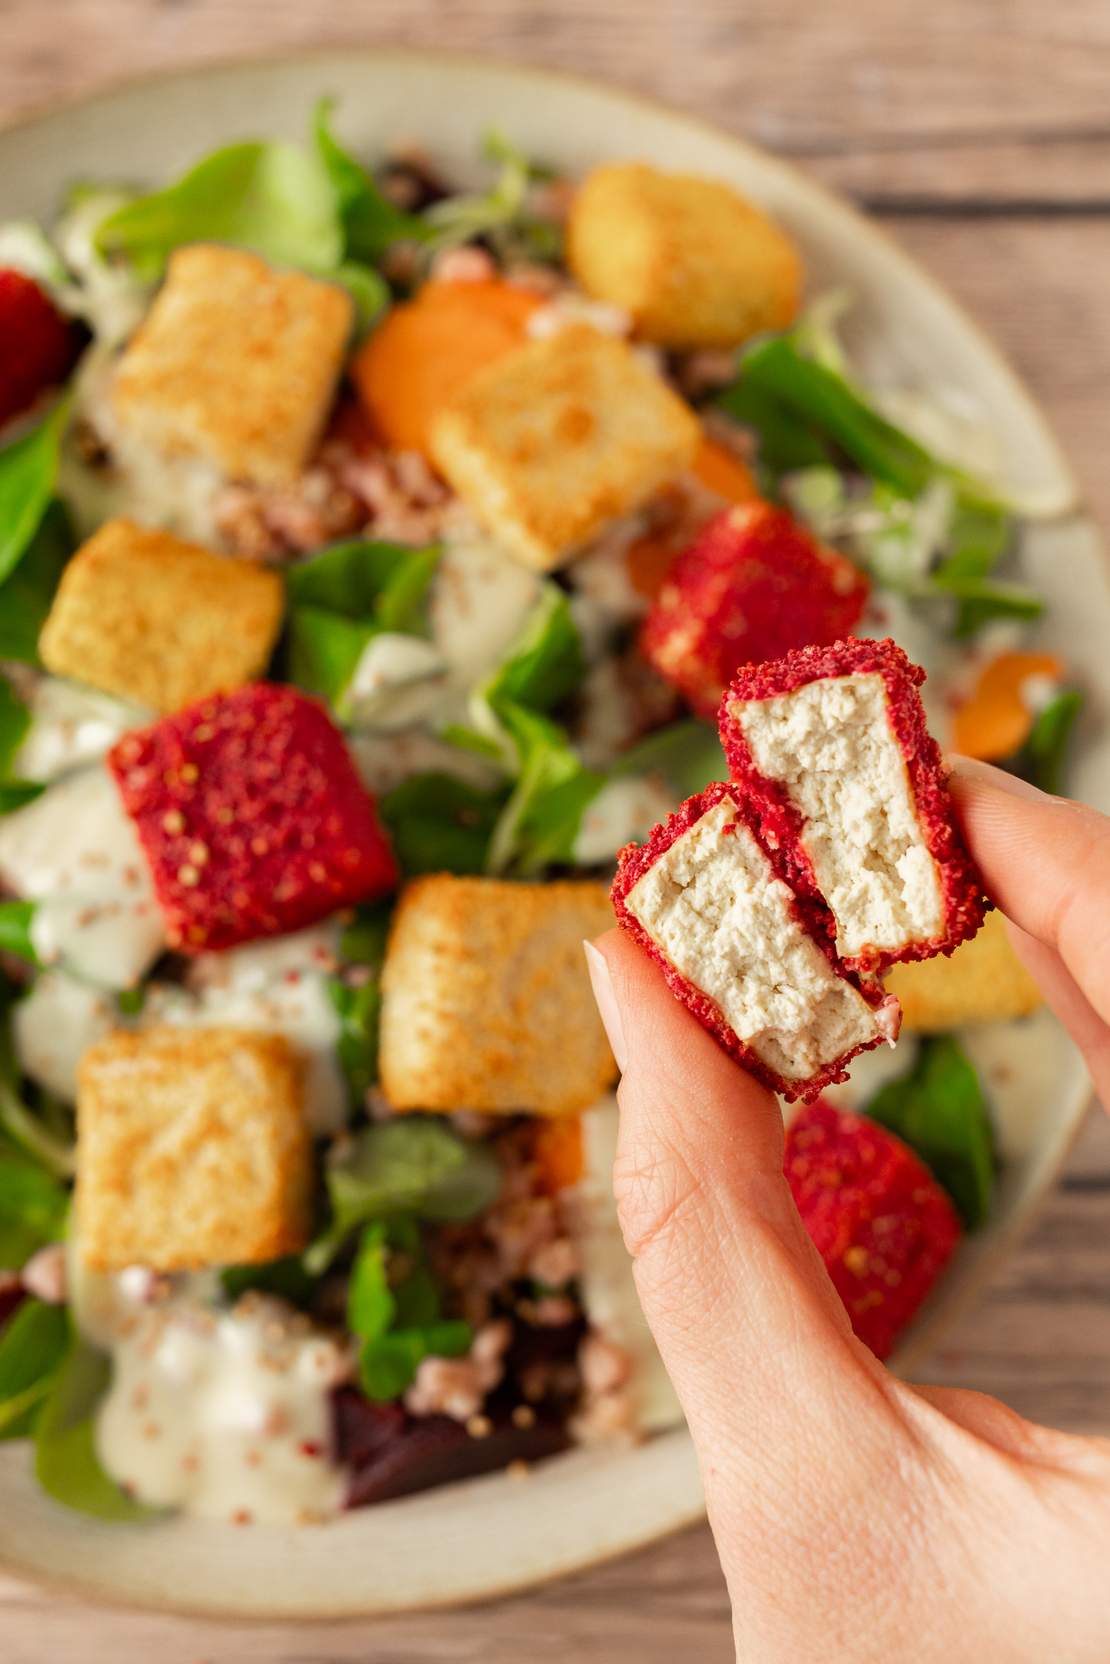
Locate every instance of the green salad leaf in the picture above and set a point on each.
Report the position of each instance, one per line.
(357, 1004)
(371, 223)
(1042, 760)
(397, 1318)
(937, 1108)
(33, 1344)
(415, 1165)
(28, 475)
(32, 1203)
(286, 1278)
(66, 1464)
(500, 215)
(15, 930)
(345, 596)
(33, 1208)
(687, 754)
(546, 661)
(28, 592)
(15, 719)
(440, 824)
(539, 824)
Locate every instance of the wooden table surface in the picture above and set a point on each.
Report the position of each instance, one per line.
(977, 130)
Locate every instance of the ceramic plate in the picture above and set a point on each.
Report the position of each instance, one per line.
(497, 1534)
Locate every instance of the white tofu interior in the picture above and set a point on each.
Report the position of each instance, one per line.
(831, 746)
(714, 906)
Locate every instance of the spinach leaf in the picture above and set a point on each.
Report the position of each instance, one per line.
(439, 824)
(343, 597)
(546, 661)
(32, 1345)
(27, 594)
(412, 1165)
(28, 473)
(370, 221)
(398, 1322)
(66, 1464)
(938, 1109)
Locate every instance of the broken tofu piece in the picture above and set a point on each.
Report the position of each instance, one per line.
(192, 1151)
(983, 981)
(830, 750)
(486, 1002)
(692, 260)
(752, 585)
(144, 616)
(251, 816)
(235, 364)
(751, 960)
(557, 438)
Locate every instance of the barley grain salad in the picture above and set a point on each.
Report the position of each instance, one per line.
(373, 556)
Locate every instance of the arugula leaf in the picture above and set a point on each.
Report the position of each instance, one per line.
(938, 1109)
(270, 197)
(28, 473)
(413, 1165)
(1043, 758)
(370, 221)
(546, 661)
(15, 930)
(32, 1345)
(687, 754)
(399, 1324)
(439, 824)
(343, 597)
(66, 1464)
(27, 594)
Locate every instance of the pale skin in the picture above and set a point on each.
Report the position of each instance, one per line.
(858, 1517)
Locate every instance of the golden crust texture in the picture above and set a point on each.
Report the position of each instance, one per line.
(486, 999)
(193, 1150)
(693, 261)
(147, 617)
(235, 363)
(983, 981)
(557, 438)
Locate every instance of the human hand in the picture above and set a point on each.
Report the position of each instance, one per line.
(858, 1517)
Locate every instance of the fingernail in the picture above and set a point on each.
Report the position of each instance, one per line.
(606, 1000)
(985, 774)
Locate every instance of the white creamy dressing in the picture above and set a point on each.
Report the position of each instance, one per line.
(608, 1289)
(384, 760)
(398, 681)
(272, 987)
(216, 1412)
(75, 852)
(107, 295)
(71, 725)
(55, 1024)
(479, 603)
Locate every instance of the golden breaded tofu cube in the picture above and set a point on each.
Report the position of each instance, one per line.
(693, 261)
(486, 1000)
(192, 1150)
(983, 981)
(559, 437)
(235, 363)
(149, 618)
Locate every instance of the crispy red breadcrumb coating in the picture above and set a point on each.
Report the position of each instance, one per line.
(37, 344)
(812, 914)
(781, 826)
(881, 1223)
(252, 817)
(753, 585)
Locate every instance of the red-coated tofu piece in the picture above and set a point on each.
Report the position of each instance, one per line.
(883, 1226)
(754, 962)
(252, 817)
(752, 585)
(861, 819)
(37, 344)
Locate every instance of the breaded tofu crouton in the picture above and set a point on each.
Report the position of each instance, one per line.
(235, 363)
(557, 438)
(693, 261)
(983, 981)
(486, 1000)
(192, 1151)
(149, 618)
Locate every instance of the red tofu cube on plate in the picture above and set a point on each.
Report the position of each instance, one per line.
(752, 585)
(252, 817)
(883, 1226)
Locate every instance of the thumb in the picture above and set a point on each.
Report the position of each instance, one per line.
(751, 1331)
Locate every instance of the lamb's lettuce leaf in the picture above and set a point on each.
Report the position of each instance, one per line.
(440, 824)
(66, 1463)
(16, 918)
(687, 754)
(27, 593)
(33, 1344)
(937, 1107)
(28, 475)
(1043, 758)
(546, 661)
(371, 223)
(397, 1318)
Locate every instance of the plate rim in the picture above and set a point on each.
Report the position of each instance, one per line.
(41, 115)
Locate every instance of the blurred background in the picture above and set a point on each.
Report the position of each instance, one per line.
(976, 132)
